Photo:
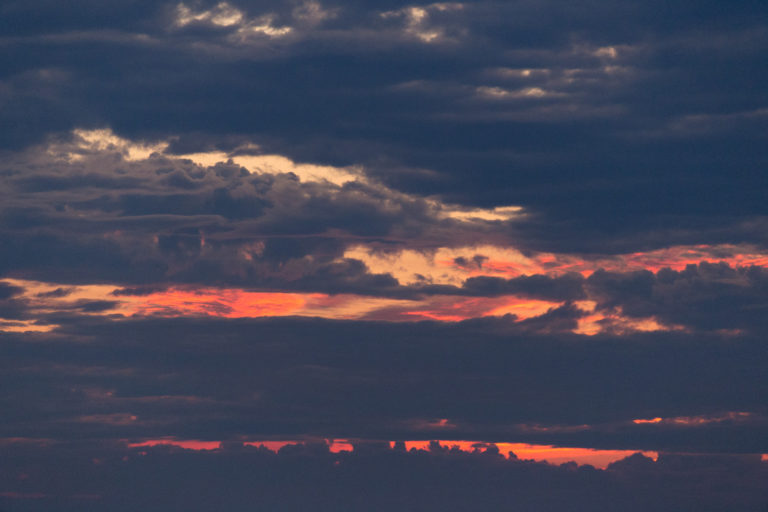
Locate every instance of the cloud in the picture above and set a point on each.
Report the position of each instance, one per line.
(706, 296)
(373, 476)
(533, 221)
(220, 379)
(584, 133)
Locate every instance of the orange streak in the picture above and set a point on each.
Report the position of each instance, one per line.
(226, 303)
(452, 309)
(652, 420)
(186, 444)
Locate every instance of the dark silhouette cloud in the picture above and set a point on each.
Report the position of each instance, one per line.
(373, 477)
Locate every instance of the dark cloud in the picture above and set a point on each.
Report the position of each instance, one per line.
(12, 306)
(628, 119)
(617, 126)
(373, 477)
(704, 296)
(8, 290)
(57, 293)
(493, 379)
(565, 287)
(109, 218)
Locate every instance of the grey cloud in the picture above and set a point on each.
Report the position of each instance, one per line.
(566, 287)
(589, 141)
(492, 378)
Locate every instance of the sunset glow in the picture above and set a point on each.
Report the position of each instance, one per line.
(321, 255)
(540, 453)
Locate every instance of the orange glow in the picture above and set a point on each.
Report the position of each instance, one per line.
(227, 303)
(615, 322)
(453, 309)
(340, 445)
(186, 444)
(24, 326)
(764, 457)
(652, 420)
(452, 266)
(540, 453)
(449, 266)
(271, 445)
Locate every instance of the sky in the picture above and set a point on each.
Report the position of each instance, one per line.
(381, 255)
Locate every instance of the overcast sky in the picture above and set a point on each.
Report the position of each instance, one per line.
(536, 226)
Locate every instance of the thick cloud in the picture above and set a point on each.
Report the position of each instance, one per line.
(491, 379)
(467, 159)
(616, 125)
(239, 478)
(105, 217)
(704, 296)
(566, 287)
